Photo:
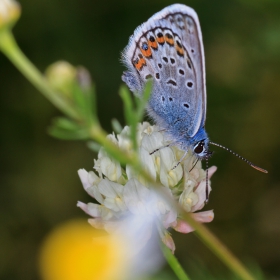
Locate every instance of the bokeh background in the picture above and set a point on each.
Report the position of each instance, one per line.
(39, 183)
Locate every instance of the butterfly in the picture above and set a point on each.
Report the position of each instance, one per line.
(168, 49)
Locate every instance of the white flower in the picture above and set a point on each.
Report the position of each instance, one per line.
(129, 205)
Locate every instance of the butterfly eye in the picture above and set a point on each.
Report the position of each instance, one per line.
(199, 148)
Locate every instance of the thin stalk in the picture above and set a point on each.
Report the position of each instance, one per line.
(174, 264)
(131, 158)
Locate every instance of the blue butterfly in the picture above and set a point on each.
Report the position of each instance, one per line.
(168, 49)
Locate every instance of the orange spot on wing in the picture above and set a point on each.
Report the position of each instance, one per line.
(160, 40)
(180, 51)
(153, 45)
(139, 63)
(170, 41)
(146, 53)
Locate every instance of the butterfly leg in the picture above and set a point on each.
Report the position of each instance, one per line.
(180, 160)
(156, 150)
(194, 165)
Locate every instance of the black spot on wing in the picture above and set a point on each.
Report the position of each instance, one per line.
(171, 82)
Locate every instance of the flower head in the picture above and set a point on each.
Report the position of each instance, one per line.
(127, 203)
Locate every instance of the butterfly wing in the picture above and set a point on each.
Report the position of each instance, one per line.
(168, 49)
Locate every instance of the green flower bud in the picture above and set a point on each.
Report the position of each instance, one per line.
(62, 75)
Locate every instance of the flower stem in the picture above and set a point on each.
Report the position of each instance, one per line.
(10, 48)
(174, 264)
(99, 135)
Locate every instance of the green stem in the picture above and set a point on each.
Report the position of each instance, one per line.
(10, 48)
(131, 158)
(174, 264)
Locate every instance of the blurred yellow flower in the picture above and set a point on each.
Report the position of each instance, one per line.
(76, 251)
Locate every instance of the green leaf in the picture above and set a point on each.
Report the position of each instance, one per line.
(84, 96)
(65, 123)
(128, 105)
(67, 129)
(117, 127)
(68, 135)
(95, 147)
(135, 115)
(141, 106)
(130, 114)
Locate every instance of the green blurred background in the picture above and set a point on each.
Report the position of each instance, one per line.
(39, 182)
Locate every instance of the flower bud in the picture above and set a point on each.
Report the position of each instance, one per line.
(62, 75)
(9, 13)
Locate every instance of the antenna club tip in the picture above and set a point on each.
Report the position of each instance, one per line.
(260, 169)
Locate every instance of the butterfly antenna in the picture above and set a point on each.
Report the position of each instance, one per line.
(207, 186)
(237, 155)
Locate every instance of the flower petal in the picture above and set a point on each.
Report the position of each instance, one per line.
(83, 174)
(201, 190)
(169, 242)
(147, 162)
(93, 191)
(169, 218)
(95, 210)
(183, 227)
(151, 142)
(124, 139)
(135, 195)
(169, 176)
(108, 188)
(204, 216)
(110, 168)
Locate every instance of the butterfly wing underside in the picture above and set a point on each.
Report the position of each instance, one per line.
(168, 49)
